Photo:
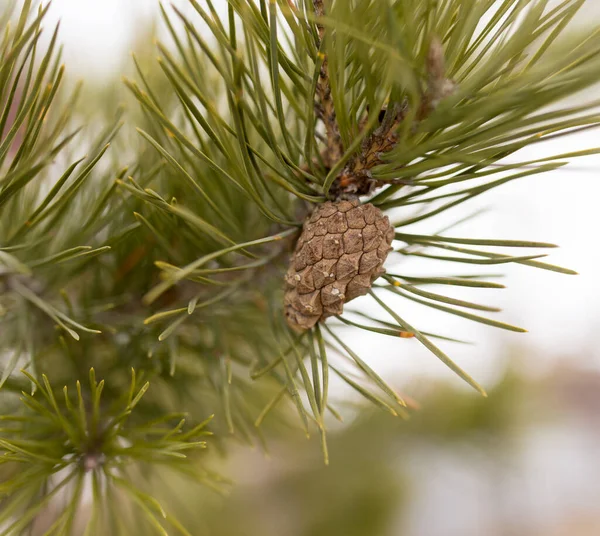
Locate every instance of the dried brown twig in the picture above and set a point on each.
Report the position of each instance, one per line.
(325, 107)
(355, 179)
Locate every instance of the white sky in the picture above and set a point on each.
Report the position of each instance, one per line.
(97, 33)
(562, 313)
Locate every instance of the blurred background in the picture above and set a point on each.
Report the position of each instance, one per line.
(525, 461)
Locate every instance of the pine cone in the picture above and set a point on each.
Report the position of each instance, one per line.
(339, 254)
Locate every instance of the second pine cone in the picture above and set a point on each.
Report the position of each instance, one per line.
(339, 254)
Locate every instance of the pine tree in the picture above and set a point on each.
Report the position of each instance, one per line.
(285, 159)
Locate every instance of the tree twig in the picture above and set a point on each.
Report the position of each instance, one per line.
(356, 179)
(325, 106)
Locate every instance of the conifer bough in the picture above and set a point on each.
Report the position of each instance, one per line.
(167, 252)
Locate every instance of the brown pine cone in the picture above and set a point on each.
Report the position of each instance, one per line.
(339, 254)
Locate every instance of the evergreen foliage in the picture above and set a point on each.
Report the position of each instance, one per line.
(165, 253)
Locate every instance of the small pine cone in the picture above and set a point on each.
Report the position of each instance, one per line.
(339, 254)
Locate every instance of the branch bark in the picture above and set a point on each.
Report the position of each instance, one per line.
(325, 107)
(356, 179)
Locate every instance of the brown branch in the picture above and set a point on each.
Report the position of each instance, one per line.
(325, 108)
(356, 179)
(439, 86)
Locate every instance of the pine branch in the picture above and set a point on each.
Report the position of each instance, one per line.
(418, 113)
(59, 437)
(325, 107)
(166, 252)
